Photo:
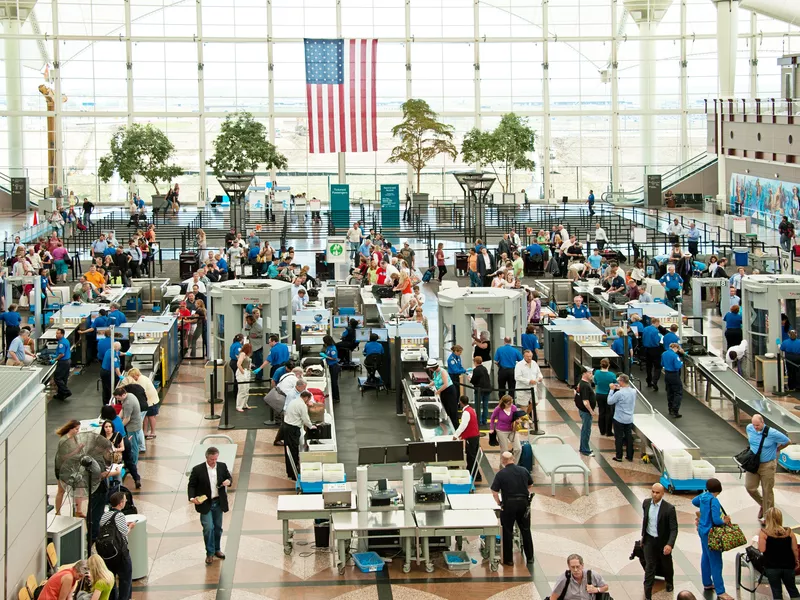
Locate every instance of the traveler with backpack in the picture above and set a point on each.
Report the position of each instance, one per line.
(577, 583)
(112, 544)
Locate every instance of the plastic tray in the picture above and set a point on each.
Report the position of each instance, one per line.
(313, 487)
(458, 488)
(368, 562)
(682, 485)
(457, 561)
(790, 464)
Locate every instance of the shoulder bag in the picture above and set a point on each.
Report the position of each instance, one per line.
(493, 441)
(725, 537)
(748, 461)
(598, 595)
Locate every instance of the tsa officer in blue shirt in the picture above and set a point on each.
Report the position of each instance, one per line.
(331, 355)
(672, 282)
(671, 337)
(618, 345)
(579, 310)
(733, 326)
(454, 367)
(506, 357)
(278, 355)
(117, 315)
(530, 341)
(63, 362)
(791, 352)
(101, 321)
(774, 442)
(110, 362)
(651, 341)
(373, 346)
(103, 342)
(12, 319)
(672, 365)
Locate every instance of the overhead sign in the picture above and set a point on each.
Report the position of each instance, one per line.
(337, 250)
(340, 204)
(19, 193)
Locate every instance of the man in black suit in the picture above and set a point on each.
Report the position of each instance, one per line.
(208, 491)
(659, 531)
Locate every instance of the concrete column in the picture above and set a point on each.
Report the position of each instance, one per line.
(13, 97)
(549, 195)
(685, 142)
(727, 39)
(647, 55)
(616, 179)
(57, 100)
(411, 181)
(754, 55)
(201, 105)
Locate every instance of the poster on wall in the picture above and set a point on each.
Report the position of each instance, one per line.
(767, 200)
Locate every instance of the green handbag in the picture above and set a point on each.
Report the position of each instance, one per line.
(725, 537)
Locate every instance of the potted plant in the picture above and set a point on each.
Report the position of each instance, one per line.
(505, 149)
(142, 150)
(242, 146)
(422, 137)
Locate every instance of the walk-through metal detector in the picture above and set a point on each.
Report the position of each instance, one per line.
(36, 282)
(720, 283)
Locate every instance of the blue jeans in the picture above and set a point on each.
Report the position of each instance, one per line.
(134, 440)
(212, 528)
(483, 409)
(140, 438)
(258, 360)
(474, 279)
(586, 431)
(711, 566)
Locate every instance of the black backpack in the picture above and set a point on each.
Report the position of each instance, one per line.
(111, 542)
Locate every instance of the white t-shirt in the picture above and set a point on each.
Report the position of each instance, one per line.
(391, 270)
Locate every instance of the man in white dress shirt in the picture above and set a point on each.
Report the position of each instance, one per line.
(526, 374)
(600, 237)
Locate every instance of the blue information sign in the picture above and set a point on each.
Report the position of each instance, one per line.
(340, 204)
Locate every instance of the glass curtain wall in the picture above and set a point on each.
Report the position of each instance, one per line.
(575, 68)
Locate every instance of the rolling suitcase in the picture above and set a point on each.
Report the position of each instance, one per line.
(526, 456)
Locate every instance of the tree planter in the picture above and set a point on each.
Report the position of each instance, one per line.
(159, 202)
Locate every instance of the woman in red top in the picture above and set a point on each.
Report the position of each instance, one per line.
(404, 287)
(59, 585)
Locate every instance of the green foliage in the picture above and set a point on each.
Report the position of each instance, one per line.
(242, 145)
(142, 150)
(506, 148)
(422, 137)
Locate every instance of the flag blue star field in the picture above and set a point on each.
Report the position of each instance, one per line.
(341, 95)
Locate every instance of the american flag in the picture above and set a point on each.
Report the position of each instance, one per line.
(341, 94)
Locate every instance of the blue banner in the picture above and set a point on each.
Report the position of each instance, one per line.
(340, 204)
(390, 205)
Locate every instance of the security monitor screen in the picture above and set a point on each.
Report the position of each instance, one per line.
(450, 451)
(383, 334)
(422, 452)
(397, 454)
(362, 335)
(371, 455)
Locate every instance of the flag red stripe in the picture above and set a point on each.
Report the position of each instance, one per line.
(364, 94)
(342, 133)
(353, 136)
(331, 119)
(320, 120)
(310, 119)
(374, 115)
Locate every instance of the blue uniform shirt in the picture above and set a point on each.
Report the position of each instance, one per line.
(64, 348)
(279, 354)
(733, 320)
(101, 322)
(618, 346)
(373, 348)
(580, 312)
(118, 317)
(107, 360)
(103, 346)
(670, 361)
(236, 347)
(637, 326)
(651, 338)
(530, 341)
(279, 372)
(790, 346)
(331, 355)
(507, 356)
(774, 439)
(222, 265)
(672, 281)
(454, 366)
(671, 338)
(11, 318)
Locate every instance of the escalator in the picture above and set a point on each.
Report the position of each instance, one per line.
(674, 176)
(5, 189)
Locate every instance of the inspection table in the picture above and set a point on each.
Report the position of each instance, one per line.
(304, 507)
(344, 524)
(457, 523)
(472, 502)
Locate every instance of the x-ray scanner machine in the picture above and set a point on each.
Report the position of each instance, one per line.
(226, 314)
(764, 299)
(462, 310)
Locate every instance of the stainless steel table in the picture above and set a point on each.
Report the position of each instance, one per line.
(344, 524)
(305, 506)
(458, 523)
(472, 502)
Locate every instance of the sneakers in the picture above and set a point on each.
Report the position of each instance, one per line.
(590, 453)
(616, 459)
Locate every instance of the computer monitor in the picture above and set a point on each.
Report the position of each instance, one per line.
(362, 334)
(396, 454)
(372, 455)
(344, 320)
(452, 450)
(383, 334)
(422, 452)
(635, 310)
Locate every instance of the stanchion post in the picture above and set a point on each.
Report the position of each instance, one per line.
(225, 404)
(779, 391)
(535, 416)
(398, 377)
(213, 416)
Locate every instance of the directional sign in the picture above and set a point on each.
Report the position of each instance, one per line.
(787, 265)
(337, 250)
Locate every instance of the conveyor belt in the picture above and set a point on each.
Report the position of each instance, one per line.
(717, 439)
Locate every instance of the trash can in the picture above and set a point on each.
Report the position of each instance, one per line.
(137, 545)
(740, 256)
(189, 263)
(322, 533)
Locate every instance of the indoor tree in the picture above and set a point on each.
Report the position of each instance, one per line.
(422, 137)
(506, 148)
(242, 146)
(143, 150)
